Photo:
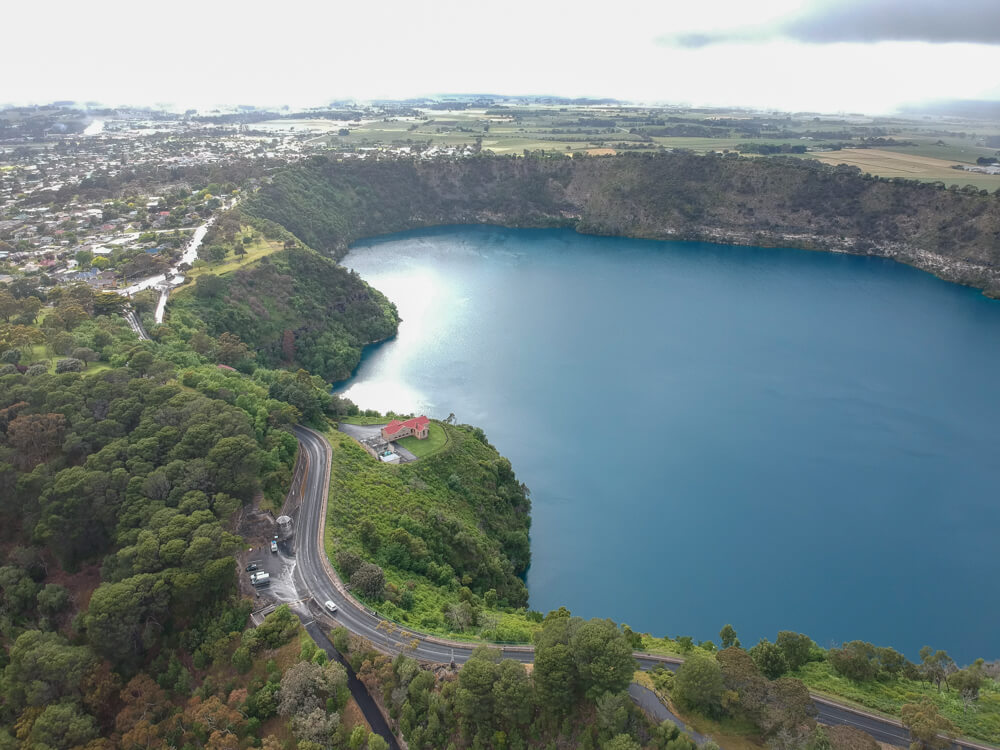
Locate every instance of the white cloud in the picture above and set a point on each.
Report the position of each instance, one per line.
(203, 53)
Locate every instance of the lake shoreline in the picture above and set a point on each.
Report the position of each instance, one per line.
(877, 285)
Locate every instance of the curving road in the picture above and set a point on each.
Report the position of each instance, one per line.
(314, 576)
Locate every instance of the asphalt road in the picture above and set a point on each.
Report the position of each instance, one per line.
(647, 700)
(315, 577)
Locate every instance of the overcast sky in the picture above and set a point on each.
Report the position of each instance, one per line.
(825, 55)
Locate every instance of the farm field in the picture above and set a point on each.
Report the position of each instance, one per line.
(887, 163)
(895, 146)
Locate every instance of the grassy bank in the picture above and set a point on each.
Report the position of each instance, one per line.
(980, 720)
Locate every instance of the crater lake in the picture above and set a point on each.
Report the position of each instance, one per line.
(773, 438)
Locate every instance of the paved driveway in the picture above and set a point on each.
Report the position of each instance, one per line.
(362, 431)
(646, 699)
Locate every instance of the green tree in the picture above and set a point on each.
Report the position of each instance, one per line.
(788, 706)
(968, 683)
(230, 350)
(513, 694)
(369, 580)
(358, 736)
(52, 599)
(604, 661)
(622, 742)
(44, 669)
(613, 713)
(124, 618)
(698, 685)
(936, 665)
(926, 725)
(63, 724)
(348, 561)
(209, 286)
(770, 660)
(795, 647)
(856, 661)
(474, 698)
(555, 678)
(69, 364)
(745, 687)
(728, 637)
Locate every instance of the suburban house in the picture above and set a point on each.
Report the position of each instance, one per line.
(396, 430)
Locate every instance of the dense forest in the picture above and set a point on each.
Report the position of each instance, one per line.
(125, 467)
(779, 201)
(295, 308)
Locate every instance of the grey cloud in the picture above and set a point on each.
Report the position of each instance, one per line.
(935, 21)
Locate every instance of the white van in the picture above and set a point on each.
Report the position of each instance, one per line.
(260, 579)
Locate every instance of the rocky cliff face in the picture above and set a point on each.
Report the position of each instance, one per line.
(770, 202)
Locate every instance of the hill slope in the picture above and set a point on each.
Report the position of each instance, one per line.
(774, 201)
(294, 308)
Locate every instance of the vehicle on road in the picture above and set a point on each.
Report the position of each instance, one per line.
(274, 545)
(260, 579)
(252, 566)
(330, 606)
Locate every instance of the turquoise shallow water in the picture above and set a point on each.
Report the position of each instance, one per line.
(773, 438)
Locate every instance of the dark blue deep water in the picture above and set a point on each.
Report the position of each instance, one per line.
(778, 439)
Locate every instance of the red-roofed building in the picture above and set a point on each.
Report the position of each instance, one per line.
(396, 430)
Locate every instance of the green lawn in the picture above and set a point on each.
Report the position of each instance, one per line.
(436, 439)
(233, 262)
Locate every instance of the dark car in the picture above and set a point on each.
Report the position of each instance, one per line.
(252, 566)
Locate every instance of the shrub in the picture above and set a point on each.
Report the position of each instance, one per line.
(84, 354)
(369, 580)
(348, 561)
(69, 364)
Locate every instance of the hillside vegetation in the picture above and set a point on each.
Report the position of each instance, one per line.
(123, 473)
(450, 533)
(954, 233)
(293, 308)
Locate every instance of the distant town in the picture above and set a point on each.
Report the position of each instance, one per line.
(110, 197)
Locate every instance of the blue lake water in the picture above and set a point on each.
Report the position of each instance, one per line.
(778, 439)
